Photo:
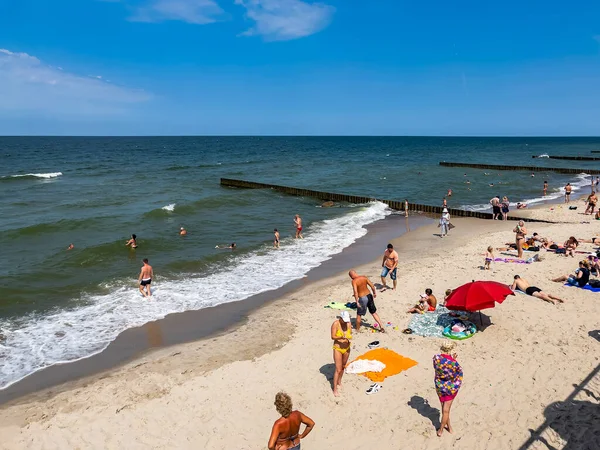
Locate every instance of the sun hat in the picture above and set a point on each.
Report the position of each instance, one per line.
(345, 316)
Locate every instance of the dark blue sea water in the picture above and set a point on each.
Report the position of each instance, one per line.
(58, 305)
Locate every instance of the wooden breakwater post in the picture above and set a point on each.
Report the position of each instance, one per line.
(333, 197)
(527, 168)
(571, 158)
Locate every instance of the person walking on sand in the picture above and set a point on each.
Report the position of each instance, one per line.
(298, 223)
(533, 291)
(389, 265)
(145, 278)
(364, 299)
(489, 258)
(568, 190)
(448, 380)
(276, 238)
(132, 242)
(341, 334)
(285, 434)
(591, 201)
(520, 232)
(405, 207)
(444, 223)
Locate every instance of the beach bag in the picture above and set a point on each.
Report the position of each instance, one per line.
(594, 283)
(450, 226)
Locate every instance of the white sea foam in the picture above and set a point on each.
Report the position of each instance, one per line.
(37, 175)
(169, 208)
(582, 182)
(543, 155)
(36, 341)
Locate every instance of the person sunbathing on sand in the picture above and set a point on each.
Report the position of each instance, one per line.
(285, 434)
(590, 241)
(428, 303)
(580, 278)
(570, 246)
(523, 285)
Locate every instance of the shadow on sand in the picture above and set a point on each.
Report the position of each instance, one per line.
(423, 407)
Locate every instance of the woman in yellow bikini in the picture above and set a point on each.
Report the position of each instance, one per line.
(341, 333)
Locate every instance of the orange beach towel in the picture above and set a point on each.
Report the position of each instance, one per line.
(394, 363)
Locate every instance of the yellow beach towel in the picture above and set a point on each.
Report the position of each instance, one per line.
(394, 363)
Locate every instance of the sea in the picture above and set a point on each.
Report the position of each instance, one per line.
(59, 305)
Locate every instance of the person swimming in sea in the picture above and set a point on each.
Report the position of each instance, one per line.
(182, 231)
(232, 247)
(132, 242)
(70, 247)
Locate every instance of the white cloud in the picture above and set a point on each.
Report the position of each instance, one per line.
(281, 20)
(27, 84)
(198, 12)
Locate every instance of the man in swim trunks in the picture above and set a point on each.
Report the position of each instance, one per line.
(495, 202)
(364, 299)
(276, 238)
(389, 265)
(568, 189)
(145, 278)
(523, 285)
(298, 223)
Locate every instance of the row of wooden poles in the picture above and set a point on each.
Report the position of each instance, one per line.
(571, 158)
(527, 168)
(332, 197)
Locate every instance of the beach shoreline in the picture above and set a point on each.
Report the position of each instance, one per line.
(285, 345)
(207, 323)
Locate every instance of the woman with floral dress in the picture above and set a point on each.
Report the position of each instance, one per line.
(448, 379)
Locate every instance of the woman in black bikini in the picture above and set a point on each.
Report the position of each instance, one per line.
(520, 231)
(285, 433)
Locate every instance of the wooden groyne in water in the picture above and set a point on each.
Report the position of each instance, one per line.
(527, 168)
(332, 197)
(571, 158)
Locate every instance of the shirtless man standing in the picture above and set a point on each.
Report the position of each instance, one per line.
(145, 278)
(389, 264)
(298, 223)
(523, 285)
(364, 299)
(568, 189)
(495, 202)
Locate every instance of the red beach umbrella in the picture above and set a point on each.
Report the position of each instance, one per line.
(477, 295)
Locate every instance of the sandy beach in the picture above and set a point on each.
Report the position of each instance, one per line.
(522, 371)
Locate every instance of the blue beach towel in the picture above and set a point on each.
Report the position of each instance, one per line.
(587, 287)
(431, 324)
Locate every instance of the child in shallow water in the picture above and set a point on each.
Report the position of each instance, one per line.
(489, 257)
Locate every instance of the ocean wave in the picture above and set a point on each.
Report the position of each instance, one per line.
(170, 207)
(45, 176)
(543, 155)
(38, 341)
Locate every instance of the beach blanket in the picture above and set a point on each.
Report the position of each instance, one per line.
(338, 305)
(514, 260)
(394, 363)
(431, 324)
(587, 287)
(365, 365)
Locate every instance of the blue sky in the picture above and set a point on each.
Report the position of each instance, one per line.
(146, 67)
